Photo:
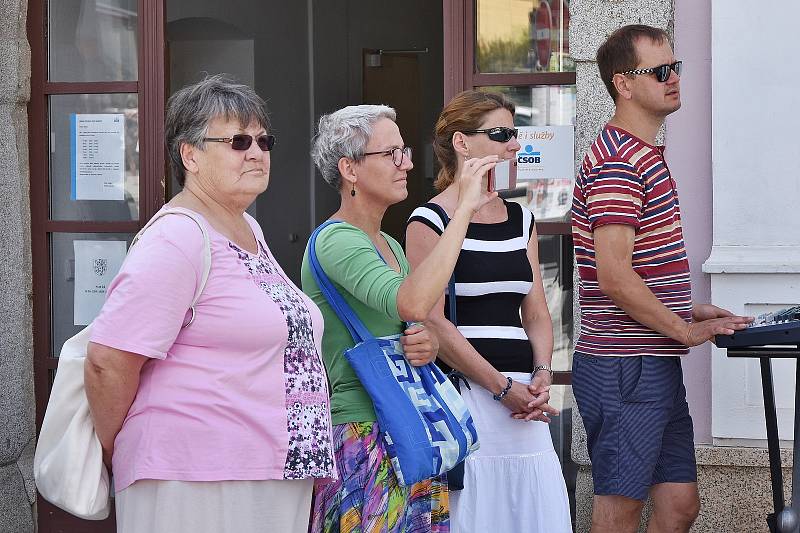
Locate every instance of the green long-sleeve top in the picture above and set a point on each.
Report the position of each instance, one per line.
(370, 287)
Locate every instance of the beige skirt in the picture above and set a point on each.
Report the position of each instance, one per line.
(152, 506)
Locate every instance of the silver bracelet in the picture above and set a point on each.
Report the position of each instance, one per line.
(542, 367)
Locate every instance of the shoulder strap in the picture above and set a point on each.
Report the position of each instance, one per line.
(451, 285)
(358, 331)
(206, 248)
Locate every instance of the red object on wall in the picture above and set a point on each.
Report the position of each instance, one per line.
(560, 22)
(542, 28)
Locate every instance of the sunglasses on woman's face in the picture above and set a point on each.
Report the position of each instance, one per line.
(499, 134)
(661, 72)
(242, 141)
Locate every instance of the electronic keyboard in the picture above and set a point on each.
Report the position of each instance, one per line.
(776, 328)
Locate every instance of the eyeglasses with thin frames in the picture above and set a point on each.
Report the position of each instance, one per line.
(499, 134)
(242, 141)
(397, 154)
(661, 72)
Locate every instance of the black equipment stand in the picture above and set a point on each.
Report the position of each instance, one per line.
(784, 519)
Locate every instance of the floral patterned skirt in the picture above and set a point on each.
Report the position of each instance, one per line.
(367, 497)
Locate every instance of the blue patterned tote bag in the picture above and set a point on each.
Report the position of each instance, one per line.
(425, 425)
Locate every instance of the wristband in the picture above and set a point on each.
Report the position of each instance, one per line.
(502, 394)
(542, 367)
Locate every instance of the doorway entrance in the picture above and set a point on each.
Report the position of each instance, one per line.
(124, 57)
(306, 59)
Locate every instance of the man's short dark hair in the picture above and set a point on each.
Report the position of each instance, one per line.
(618, 53)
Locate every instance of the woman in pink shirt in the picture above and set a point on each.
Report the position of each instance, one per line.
(222, 424)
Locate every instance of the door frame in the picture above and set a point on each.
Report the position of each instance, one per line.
(150, 89)
(460, 74)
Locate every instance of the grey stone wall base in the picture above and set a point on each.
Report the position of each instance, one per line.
(16, 514)
(17, 403)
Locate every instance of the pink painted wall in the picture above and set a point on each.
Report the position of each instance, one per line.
(689, 157)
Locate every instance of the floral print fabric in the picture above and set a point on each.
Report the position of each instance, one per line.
(367, 497)
(307, 406)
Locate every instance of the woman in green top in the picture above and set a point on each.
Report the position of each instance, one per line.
(360, 153)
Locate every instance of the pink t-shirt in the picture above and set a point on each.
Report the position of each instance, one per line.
(241, 393)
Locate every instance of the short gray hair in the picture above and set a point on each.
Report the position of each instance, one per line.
(190, 110)
(345, 133)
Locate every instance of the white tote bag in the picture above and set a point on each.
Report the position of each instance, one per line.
(68, 464)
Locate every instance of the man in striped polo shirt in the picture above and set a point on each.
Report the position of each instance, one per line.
(637, 315)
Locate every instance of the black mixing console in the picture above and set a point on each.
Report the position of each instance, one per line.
(774, 335)
(778, 328)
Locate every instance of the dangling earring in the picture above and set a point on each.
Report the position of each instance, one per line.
(353, 191)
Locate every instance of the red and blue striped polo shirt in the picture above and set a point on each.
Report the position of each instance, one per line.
(624, 180)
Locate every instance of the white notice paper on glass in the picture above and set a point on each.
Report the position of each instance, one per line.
(546, 163)
(98, 156)
(546, 152)
(96, 264)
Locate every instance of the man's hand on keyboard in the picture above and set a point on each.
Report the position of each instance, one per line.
(701, 312)
(709, 320)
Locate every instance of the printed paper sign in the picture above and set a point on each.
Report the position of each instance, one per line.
(96, 264)
(546, 166)
(546, 152)
(98, 156)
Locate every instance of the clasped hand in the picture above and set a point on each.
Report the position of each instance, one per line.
(530, 403)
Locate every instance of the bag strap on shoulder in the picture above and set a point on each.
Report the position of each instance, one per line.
(456, 377)
(358, 331)
(451, 285)
(206, 248)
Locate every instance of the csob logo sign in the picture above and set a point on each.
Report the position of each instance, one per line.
(528, 155)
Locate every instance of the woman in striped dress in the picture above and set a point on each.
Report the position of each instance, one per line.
(503, 342)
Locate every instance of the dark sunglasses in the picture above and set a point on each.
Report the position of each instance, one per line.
(661, 72)
(242, 141)
(500, 134)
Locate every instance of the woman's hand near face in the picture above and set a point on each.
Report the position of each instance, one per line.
(421, 289)
(419, 344)
(471, 192)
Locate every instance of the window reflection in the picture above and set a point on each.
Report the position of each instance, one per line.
(555, 262)
(540, 105)
(561, 398)
(543, 105)
(92, 40)
(515, 36)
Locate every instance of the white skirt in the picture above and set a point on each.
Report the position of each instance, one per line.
(513, 483)
(153, 506)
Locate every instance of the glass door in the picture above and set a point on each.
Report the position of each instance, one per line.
(96, 160)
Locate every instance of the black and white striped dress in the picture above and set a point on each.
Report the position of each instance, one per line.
(493, 275)
(514, 481)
